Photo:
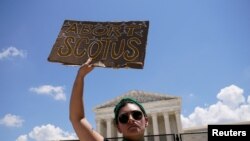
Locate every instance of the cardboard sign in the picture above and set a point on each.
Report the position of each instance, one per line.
(109, 44)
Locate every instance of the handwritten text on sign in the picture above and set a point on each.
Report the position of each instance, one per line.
(109, 44)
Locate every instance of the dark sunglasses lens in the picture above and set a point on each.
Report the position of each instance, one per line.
(137, 115)
(123, 118)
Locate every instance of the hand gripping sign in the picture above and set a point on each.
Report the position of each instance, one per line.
(108, 44)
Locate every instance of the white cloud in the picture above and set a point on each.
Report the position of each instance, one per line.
(57, 92)
(191, 95)
(22, 138)
(47, 132)
(10, 120)
(12, 52)
(248, 100)
(232, 96)
(231, 107)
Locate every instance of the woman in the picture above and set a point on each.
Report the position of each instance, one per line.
(130, 117)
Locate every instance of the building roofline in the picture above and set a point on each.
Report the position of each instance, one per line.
(140, 96)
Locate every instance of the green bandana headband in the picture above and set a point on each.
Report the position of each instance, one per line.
(123, 102)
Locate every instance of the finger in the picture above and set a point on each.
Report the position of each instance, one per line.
(88, 61)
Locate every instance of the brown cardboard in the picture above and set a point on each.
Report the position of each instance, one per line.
(109, 44)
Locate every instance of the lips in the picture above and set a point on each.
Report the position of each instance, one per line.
(133, 126)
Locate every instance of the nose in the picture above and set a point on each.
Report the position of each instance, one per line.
(131, 119)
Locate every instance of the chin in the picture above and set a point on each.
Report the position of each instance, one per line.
(134, 136)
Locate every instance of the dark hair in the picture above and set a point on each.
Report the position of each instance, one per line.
(122, 103)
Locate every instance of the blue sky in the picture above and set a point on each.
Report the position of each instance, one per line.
(198, 50)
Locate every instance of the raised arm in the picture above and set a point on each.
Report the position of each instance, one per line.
(78, 119)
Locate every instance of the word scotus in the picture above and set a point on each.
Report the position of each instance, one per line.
(109, 44)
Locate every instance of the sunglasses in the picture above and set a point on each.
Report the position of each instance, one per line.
(123, 118)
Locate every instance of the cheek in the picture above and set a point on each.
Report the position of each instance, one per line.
(121, 126)
(143, 122)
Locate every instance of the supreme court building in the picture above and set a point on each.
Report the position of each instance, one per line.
(164, 118)
(163, 112)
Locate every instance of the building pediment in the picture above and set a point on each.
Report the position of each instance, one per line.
(141, 96)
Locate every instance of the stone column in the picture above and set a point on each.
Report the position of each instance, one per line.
(155, 126)
(98, 125)
(178, 121)
(145, 134)
(109, 128)
(167, 125)
(119, 135)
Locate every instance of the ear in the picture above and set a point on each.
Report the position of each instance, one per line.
(118, 128)
(146, 121)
